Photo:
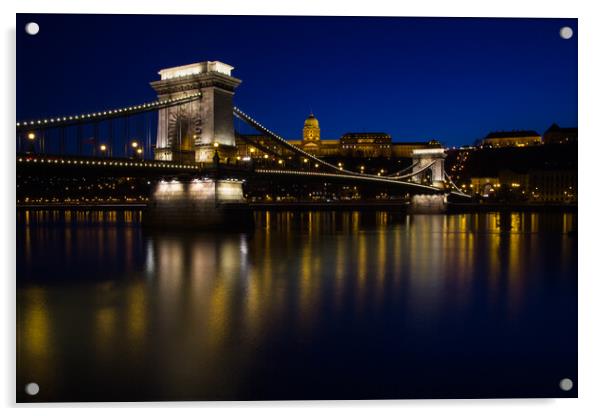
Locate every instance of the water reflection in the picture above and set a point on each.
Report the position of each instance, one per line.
(202, 316)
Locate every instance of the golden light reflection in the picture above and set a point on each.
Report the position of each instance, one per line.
(355, 221)
(515, 276)
(136, 318)
(105, 334)
(305, 283)
(253, 306)
(425, 282)
(170, 262)
(219, 318)
(362, 269)
(398, 243)
(382, 265)
(568, 222)
(203, 294)
(36, 333)
(37, 356)
(340, 272)
(534, 222)
(27, 240)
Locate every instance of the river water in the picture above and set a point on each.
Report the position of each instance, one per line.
(308, 305)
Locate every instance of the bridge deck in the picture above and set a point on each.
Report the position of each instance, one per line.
(41, 164)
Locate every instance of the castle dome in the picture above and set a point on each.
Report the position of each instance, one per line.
(312, 121)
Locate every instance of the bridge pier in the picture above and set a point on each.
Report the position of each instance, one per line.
(198, 204)
(428, 204)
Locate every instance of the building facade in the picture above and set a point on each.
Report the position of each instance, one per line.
(515, 138)
(484, 186)
(558, 185)
(365, 145)
(560, 135)
(537, 185)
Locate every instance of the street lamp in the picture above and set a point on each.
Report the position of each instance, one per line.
(133, 144)
(139, 151)
(31, 136)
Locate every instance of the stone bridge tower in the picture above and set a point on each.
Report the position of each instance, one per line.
(193, 131)
(435, 174)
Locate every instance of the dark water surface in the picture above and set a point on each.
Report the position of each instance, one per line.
(312, 305)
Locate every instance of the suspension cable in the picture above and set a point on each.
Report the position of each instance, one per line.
(462, 193)
(255, 124)
(103, 115)
(412, 166)
(409, 175)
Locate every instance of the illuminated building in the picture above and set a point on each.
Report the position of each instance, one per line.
(535, 185)
(556, 135)
(514, 179)
(515, 138)
(484, 185)
(312, 142)
(558, 185)
(365, 144)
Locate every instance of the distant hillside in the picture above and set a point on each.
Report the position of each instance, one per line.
(490, 161)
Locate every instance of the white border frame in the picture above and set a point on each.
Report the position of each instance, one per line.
(590, 286)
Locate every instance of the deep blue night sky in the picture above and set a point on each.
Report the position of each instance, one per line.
(414, 78)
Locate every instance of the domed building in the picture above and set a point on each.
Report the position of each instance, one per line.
(312, 143)
(311, 133)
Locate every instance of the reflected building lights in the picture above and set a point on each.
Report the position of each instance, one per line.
(136, 319)
(105, 336)
(198, 297)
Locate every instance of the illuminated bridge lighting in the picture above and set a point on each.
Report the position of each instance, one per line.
(104, 162)
(372, 178)
(340, 171)
(97, 116)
